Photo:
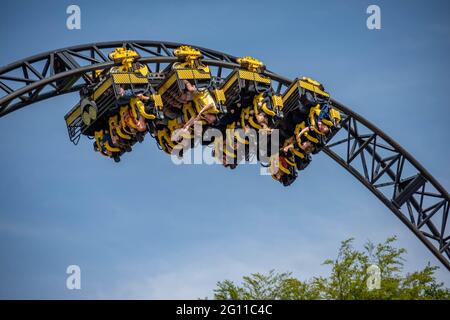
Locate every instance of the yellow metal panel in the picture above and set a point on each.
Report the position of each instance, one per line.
(192, 74)
(167, 84)
(306, 85)
(253, 76)
(310, 87)
(100, 90)
(230, 82)
(291, 90)
(158, 101)
(125, 78)
(246, 75)
(185, 74)
(261, 78)
(220, 96)
(74, 115)
(201, 75)
(277, 101)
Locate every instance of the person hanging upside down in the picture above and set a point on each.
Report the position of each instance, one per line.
(207, 113)
(283, 170)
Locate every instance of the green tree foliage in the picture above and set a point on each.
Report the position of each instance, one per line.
(348, 279)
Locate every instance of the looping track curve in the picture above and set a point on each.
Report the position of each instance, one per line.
(376, 160)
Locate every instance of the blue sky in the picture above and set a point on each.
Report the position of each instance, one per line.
(146, 228)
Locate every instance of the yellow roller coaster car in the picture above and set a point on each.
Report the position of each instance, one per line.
(103, 100)
(248, 76)
(295, 93)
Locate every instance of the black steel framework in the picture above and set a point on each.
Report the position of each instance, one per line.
(372, 157)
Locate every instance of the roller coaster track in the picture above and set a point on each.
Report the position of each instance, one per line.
(373, 158)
